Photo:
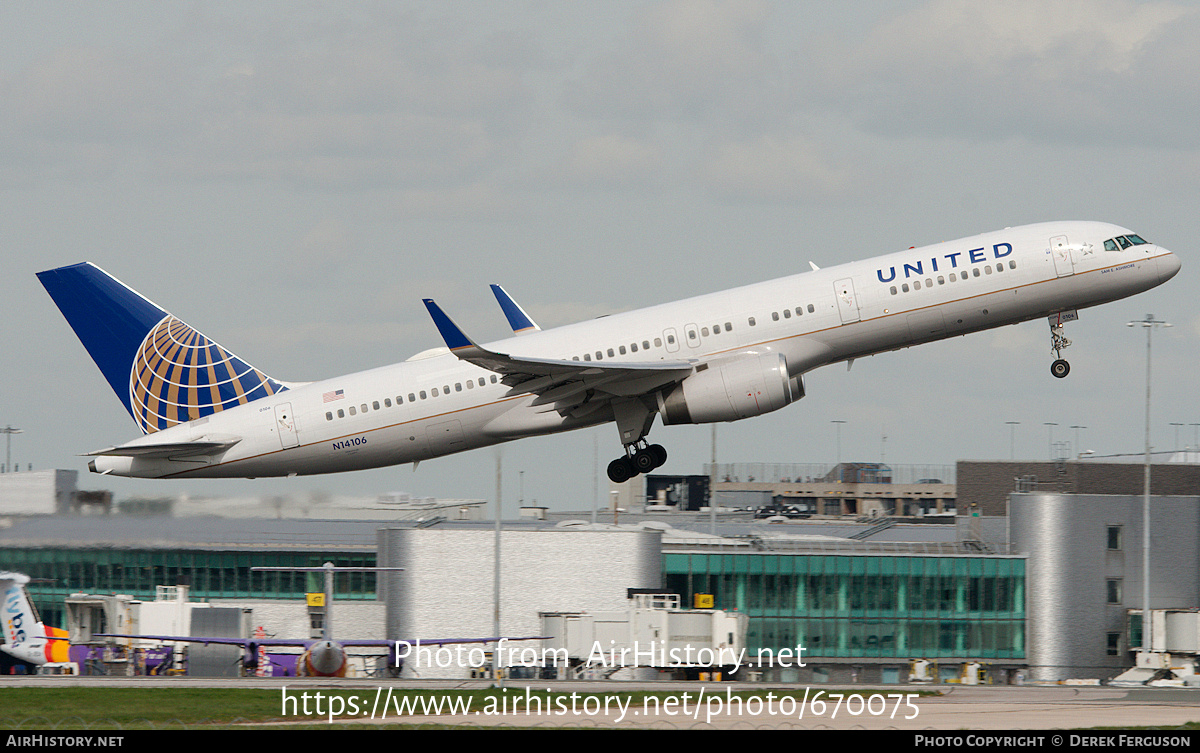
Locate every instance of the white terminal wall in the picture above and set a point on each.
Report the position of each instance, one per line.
(280, 618)
(446, 588)
(37, 492)
(1070, 564)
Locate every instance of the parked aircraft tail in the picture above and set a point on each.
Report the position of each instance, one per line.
(25, 637)
(164, 372)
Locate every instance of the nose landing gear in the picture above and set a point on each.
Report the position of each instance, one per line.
(1060, 368)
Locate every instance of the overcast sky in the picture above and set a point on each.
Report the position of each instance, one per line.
(292, 178)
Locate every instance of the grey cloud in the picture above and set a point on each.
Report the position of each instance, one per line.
(684, 61)
(1052, 72)
(367, 105)
(613, 160)
(788, 168)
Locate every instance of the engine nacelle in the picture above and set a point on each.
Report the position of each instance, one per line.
(731, 389)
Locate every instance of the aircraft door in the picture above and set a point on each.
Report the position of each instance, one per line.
(1063, 263)
(285, 424)
(691, 334)
(846, 300)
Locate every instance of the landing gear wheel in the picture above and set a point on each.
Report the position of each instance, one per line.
(636, 461)
(645, 460)
(1060, 368)
(621, 470)
(660, 453)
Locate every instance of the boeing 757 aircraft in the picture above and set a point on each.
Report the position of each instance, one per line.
(717, 357)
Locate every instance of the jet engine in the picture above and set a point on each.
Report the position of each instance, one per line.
(727, 390)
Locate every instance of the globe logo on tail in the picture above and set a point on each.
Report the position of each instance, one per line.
(179, 375)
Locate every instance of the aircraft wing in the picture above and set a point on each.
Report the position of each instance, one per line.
(243, 642)
(246, 643)
(306, 642)
(573, 387)
(441, 641)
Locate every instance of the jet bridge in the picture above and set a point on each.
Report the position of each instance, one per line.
(654, 635)
(1173, 659)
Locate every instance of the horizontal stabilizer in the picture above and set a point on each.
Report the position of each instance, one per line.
(167, 449)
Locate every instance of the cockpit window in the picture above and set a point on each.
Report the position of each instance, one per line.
(1125, 241)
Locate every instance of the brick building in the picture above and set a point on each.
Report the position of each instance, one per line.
(984, 485)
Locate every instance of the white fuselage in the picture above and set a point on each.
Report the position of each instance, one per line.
(437, 404)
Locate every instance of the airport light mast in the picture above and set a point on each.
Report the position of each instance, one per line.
(1050, 437)
(1149, 323)
(328, 570)
(1012, 439)
(838, 424)
(8, 452)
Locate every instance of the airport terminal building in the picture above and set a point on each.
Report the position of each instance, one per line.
(862, 610)
(1049, 592)
(863, 615)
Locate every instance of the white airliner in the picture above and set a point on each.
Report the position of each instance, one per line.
(325, 657)
(716, 357)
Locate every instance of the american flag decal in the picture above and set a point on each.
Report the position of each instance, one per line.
(329, 397)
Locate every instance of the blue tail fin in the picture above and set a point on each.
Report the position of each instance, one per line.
(165, 372)
(517, 318)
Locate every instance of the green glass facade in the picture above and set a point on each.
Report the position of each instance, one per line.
(210, 574)
(865, 606)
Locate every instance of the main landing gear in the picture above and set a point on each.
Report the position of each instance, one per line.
(634, 419)
(1060, 368)
(637, 460)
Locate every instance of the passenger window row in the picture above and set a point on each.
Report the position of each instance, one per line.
(716, 329)
(694, 335)
(621, 350)
(954, 277)
(413, 397)
(787, 313)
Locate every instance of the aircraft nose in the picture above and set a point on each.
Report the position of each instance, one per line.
(326, 657)
(1168, 266)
